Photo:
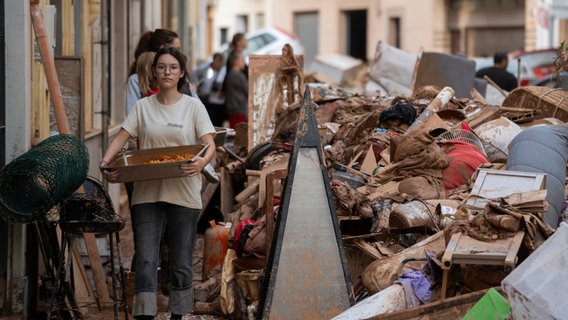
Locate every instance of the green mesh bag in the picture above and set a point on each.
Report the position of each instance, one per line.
(38, 179)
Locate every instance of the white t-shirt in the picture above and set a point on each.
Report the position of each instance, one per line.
(158, 126)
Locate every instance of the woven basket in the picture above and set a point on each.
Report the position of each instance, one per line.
(547, 102)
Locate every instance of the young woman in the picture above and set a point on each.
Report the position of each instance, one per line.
(166, 119)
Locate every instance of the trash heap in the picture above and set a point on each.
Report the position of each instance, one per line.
(438, 198)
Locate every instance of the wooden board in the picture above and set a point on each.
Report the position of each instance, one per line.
(264, 96)
(451, 308)
(70, 74)
(227, 191)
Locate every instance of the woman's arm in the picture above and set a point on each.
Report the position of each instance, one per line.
(113, 148)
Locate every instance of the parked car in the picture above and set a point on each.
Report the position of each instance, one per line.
(555, 81)
(535, 64)
(265, 41)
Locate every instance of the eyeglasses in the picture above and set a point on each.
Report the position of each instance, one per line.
(161, 68)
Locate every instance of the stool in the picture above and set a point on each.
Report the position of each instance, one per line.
(86, 215)
(463, 249)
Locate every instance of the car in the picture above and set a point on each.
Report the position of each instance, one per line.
(264, 41)
(535, 64)
(556, 81)
(270, 41)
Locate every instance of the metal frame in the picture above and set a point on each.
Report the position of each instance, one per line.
(307, 136)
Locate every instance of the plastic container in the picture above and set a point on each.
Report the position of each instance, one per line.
(215, 248)
(413, 214)
(537, 288)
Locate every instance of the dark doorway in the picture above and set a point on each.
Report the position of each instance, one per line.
(356, 34)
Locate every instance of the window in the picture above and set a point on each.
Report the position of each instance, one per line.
(394, 32)
(224, 34)
(242, 23)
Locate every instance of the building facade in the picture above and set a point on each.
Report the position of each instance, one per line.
(91, 40)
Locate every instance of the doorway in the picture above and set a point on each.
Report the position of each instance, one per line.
(356, 34)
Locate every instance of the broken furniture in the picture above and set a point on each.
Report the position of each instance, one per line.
(492, 184)
(87, 214)
(463, 249)
(266, 96)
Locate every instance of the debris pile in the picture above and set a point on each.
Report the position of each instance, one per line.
(433, 201)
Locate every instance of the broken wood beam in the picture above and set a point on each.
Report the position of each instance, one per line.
(247, 192)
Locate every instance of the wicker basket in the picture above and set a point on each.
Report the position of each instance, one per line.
(547, 102)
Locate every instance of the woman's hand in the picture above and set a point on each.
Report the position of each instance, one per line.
(194, 167)
(111, 176)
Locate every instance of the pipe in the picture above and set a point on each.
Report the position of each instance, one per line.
(106, 111)
(49, 68)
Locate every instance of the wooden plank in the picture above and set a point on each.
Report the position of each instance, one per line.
(227, 192)
(487, 113)
(248, 191)
(83, 291)
(265, 96)
(99, 275)
(451, 308)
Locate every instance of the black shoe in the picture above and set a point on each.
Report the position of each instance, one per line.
(144, 317)
(176, 316)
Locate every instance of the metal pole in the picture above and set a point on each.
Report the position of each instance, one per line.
(106, 112)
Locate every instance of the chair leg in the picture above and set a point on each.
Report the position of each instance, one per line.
(122, 275)
(113, 277)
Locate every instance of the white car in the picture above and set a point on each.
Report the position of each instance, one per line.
(265, 41)
(269, 41)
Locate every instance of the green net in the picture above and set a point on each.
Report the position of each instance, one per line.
(35, 181)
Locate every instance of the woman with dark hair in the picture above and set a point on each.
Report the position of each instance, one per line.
(149, 41)
(166, 119)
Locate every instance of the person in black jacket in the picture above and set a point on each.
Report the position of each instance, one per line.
(498, 72)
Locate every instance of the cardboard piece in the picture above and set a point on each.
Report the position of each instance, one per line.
(369, 163)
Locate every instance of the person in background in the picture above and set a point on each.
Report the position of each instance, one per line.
(498, 72)
(236, 90)
(166, 119)
(146, 79)
(209, 89)
(238, 44)
(150, 41)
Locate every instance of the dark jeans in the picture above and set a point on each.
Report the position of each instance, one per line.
(149, 221)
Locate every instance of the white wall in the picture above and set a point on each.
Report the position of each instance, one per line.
(227, 11)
